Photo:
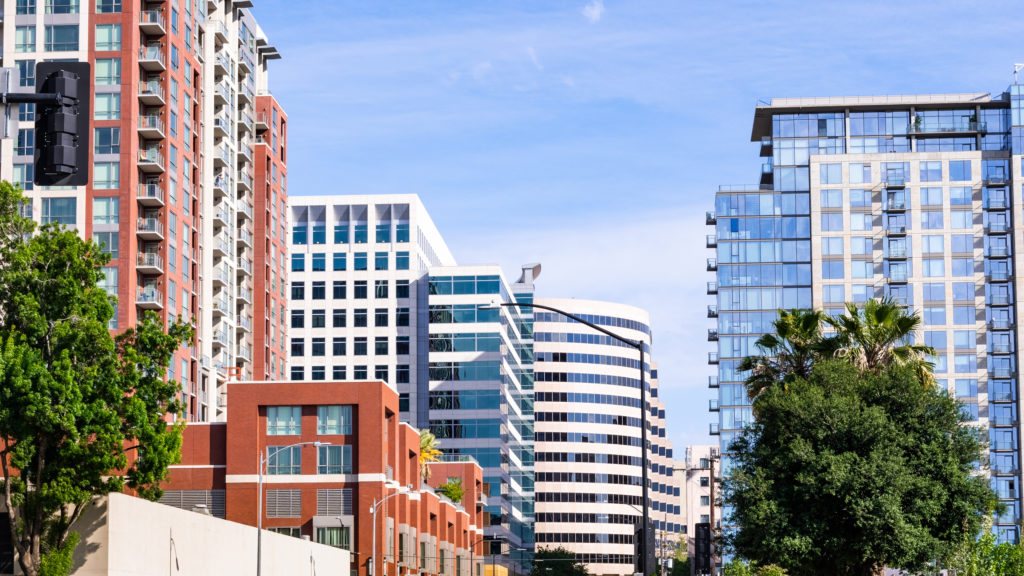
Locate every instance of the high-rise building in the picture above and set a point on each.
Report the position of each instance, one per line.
(173, 175)
(907, 197)
(588, 436)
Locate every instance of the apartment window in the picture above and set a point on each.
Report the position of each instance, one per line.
(341, 234)
(319, 290)
(340, 261)
(174, 57)
(962, 243)
(293, 531)
(26, 112)
(931, 220)
(359, 346)
(360, 234)
(860, 198)
(298, 290)
(338, 346)
(108, 37)
(284, 420)
(107, 140)
(380, 289)
(402, 317)
(299, 234)
(339, 373)
(402, 232)
(860, 222)
(26, 76)
(319, 319)
(831, 198)
(108, 71)
(384, 232)
(334, 419)
(25, 7)
(318, 373)
(402, 374)
(833, 294)
(401, 288)
(106, 175)
(298, 373)
(959, 170)
(380, 317)
(831, 174)
(61, 38)
(931, 171)
(108, 6)
(284, 460)
(934, 315)
(962, 266)
(298, 347)
(401, 345)
(380, 345)
(319, 234)
(23, 176)
(360, 261)
(107, 242)
(298, 262)
(380, 261)
(401, 260)
(963, 315)
(935, 292)
(61, 210)
(318, 347)
(335, 459)
(359, 373)
(339, 289)
(933, 267)
(108, 106)
(338, 318)
(960, 219)
(963, 290)
(960, 195)
(62, 6)
(359, 290)
(832, 270)
(380, 373)
(25, 39)
(319, 262)
(359, 317)
(298, 318)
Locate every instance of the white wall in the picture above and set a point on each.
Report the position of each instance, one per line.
(127, 536)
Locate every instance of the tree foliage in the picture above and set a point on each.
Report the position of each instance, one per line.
(453, 489)
(557, 562)
(429, 452)
(985, 557)
(857, 463)
(75, 402)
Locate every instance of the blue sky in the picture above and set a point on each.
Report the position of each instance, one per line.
(590, 136)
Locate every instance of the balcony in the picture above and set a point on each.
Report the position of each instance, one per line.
(712, 381)
(897, 252)
(244, 267)
(244, 150)
(999, 300)
(221, 306)
(222, 158)
(221, 276)
(221, 126)
(149, 229)
(766, 147)
(245, 238)
(222, 94)
(220, 184)
(897, 275)
(998, 251)
(997, 227)
(151, 93)
(713, 358)
(712, 264)
(712, 311)
(244, 353)
(245, 209)
(220, 32)
(1001, 421)
(1000, 324)
(896, 230)
(150, 194)
(221, 248)
(245, 95)
(712, 288)
(1000, 372)
(895, 182)
(712, 335)
(149, 298)
(996, 203)
(152, 58)
(1000, 396)
(245, 62)
(244, 124)
(1001, 349)
(994, 180)
(245, 295)
(261, 123)
(244, 182)
(767, 173)
(713, 405)
(151, 23)
(919, 128)
(244, 324)
(710, 219)
(220, 338)
(151, 160)
(221, 64)
(895, 203)
(149, 263)
(1000, 275)
(713, 429)
(711, 241)
(221, 215)
(151, 127)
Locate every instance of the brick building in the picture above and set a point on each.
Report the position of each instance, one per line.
(325, 491)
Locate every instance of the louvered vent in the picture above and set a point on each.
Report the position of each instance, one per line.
(334, 502)
(284, 503)
(190, 499)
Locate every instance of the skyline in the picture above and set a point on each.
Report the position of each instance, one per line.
(520, 126)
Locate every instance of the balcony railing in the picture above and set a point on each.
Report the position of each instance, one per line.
(150, 225)
(712, 287)
(149, 260)
(711, 241)
(712, 335)
(712, 264)
(712, 311)
(1001, 324)
(151, 89)
(712, 381)
(712, 357)
(944, 128)
(150, 193)
(710, 219)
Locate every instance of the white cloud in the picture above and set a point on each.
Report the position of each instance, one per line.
(593, 11)
(533, 58)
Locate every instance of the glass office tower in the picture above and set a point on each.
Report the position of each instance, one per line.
(909, 197)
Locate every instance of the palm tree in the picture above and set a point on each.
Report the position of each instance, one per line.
(876, 335)
(428, 452)
(788, 353)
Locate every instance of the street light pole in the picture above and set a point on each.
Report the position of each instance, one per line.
(639, 345)
(413, 495)
(265, 460)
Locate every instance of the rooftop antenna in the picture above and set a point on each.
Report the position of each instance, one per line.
(1017, 67)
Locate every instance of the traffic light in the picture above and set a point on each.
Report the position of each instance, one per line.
(62, 124)
(640, 550)
(702, 548)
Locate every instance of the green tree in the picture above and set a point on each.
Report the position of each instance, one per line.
(429, 452)
(453, 489)
(985, 557)
(75, 402)
(557, 562)
(851, 470)
(875, 336)
(788, 353)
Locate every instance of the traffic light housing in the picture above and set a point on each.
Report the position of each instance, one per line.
(62, 125)
(702, 548)
(639, 549)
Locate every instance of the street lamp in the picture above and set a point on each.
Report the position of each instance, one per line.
(264, 461)
(413, 495)
(639, 345)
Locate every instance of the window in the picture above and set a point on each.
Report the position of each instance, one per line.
(341, 234)
(298, 347)
(298, 373)
(339, 373)
(934, 315)
(284, 420)
(963, 315)
(339, 289)
(359, 317)
(334, 419)
(401, 345)
(298, 318)
(62, 6)
(107, 140)
(931, 220)
(284, 460)
(360, 261)
(298, 262)
(338, 346)
(319, 290)
(383, 232)
(402, 232)
(402, 375)
(25, 7)
(935, 291)
(339, 261)
(931, 196)
(963, 290)
(380, 288)
(359, 346)
(931, 171)
(106, 175)
(933, 267)
(359, 372)
(61, 38)
(359, 290)
(61, 210)
(965, 338)
(338, 318)
(401, 288)
(402, 317)
(380, 317)
(336, 536)
(318, 373)
(299, 234)
(25, 39)
(319, 319)
(860, 221)
(108, 71)
(962, 243)
(966, 387)
(26, 142)
(962, 266)
(319, 234)
(108, 106)
(380, 345)
(861, 293)
(293, 531)
(860, 198)
(832, 270)
(831, 198)
(298, 290)
(833, 294)
(965, 363)
(959, 170)
(831, 222)
(380, 261)
(107, 241)
(960, 195)
(831, 174)
(360, 234)
(861, 245)
(23, 176)
(319, 262)
(26, 77)
(960, 219)
(318, 347)
(380, 373)
(108, 6)
(401, 261)
(334, 459)
(108, 37)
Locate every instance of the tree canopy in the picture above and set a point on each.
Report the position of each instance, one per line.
(557, 562)
(856, 462)
(453, 489)
(75, 402)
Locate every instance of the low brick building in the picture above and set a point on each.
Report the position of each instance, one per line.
(332, 451)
